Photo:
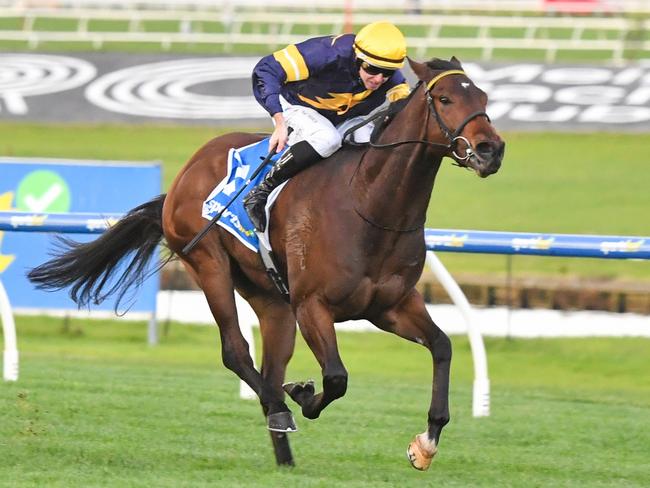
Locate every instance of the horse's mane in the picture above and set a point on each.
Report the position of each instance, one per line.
(438, 64)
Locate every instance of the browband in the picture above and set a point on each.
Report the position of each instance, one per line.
(437, 78)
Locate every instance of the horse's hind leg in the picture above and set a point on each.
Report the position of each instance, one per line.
(213, 275)
(317, 327)
(278, 330)
(410, 320)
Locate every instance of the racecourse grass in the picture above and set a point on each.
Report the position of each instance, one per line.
(582, 183)
(95, 406)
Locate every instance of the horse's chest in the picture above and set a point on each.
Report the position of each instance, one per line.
(356, 274)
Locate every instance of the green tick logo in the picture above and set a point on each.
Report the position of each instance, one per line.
(43, 191)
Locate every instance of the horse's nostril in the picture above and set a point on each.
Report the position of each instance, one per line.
(488, 150)
(485, 149)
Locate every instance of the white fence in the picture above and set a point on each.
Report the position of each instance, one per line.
(532, 6)
(229, 24)
(10, 353)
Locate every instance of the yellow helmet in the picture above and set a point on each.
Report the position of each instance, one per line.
(381, 44)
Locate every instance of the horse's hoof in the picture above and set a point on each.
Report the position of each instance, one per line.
(297, 390)
(281, 422)
(419, 454)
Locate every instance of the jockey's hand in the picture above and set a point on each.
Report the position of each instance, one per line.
(280, 133)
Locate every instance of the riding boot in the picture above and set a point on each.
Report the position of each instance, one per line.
(295, 159)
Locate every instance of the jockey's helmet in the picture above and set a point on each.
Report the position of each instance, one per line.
(381, 44)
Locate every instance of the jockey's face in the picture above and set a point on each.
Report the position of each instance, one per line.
(372, 81)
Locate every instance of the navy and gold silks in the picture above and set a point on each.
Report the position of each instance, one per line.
(321, 73)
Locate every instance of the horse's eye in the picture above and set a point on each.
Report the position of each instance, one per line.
(444, 100)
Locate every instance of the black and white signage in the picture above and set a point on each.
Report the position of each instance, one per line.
(530, 95)
(23, 76)
(112, 87)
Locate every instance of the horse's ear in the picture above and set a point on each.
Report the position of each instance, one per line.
(456, 61)
(421, 70)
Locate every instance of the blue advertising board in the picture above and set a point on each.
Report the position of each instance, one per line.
(43, 186)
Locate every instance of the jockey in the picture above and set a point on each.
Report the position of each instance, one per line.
(319, 88)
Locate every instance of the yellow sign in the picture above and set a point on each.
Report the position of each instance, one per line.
(532, 243)
(5, 204)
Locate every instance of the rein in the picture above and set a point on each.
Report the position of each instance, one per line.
(453, 137)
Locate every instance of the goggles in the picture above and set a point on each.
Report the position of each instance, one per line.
(375, 70)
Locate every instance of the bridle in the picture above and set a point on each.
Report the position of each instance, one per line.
(452, 136)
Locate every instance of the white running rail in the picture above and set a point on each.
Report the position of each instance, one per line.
(10, 356)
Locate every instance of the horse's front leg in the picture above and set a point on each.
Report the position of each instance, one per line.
(317, 327)
(410, 320)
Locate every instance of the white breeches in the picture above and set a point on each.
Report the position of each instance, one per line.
(308, 125)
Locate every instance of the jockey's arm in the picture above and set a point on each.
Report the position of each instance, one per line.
(285, 66)
(268, 78)
(270, 73)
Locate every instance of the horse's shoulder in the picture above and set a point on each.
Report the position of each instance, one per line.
(327, 177)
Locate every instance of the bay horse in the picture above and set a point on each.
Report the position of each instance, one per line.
(348, 237)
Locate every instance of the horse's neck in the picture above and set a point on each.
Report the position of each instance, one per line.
(393, 185)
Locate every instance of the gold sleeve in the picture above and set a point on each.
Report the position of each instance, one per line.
(398, 92)
(292, 63)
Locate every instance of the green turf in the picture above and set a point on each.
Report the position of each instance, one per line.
(95, 406)
(172, 145)
(55, 25)
(555, 183)
(550, 182)
(11, 23)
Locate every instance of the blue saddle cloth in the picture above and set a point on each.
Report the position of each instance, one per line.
(242, 162)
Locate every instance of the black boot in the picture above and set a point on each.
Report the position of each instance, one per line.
(295, 159)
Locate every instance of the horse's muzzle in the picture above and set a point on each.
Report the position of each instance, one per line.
(487, 157)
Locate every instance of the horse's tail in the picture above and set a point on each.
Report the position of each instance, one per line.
(89, 268)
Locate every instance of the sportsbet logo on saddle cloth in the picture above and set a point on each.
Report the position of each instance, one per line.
(242, 163)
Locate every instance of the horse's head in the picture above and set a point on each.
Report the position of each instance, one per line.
(458, 107)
